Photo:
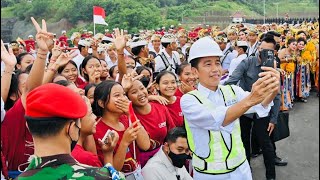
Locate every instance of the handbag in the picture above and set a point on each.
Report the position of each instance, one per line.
(281, 130)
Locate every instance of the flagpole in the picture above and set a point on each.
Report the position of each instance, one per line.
(94, 25)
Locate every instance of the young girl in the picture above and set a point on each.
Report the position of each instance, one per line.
(88, 127)
(70, 72)
(105, 71)
(24, 60)
(110, 104)
(167, 85)
(154, 117)
(91, 69)
(89, 92)
(187, 79)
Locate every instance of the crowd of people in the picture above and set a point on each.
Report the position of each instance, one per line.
(160, 104)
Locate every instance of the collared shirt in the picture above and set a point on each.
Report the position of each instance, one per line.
(159, 167)
(201, 119)
(252, 49)
(78, 60)
(159, 66)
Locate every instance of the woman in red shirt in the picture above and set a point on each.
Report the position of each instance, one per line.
(154, 117)
(187, 79)
(70, 72)
(166, 84)
(88, 127)
(91, 70)
(111, 105)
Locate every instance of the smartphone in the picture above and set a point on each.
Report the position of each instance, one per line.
(105, 138)
(6, 45)
(267, 57)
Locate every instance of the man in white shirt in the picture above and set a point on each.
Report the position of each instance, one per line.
(83, 47)
(212, 112)
(241, 47)
(168, 162)
(228, 52)
(253, 42)
(168, 58)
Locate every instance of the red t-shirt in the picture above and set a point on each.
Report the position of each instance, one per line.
(176, 112)
(157, 124)
(130, 164)
(30, 43)
(178, 93)
(85, 157)
(17, 142)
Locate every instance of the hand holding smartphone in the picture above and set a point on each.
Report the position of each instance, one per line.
(105, 138)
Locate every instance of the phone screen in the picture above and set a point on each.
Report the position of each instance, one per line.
(267, 57)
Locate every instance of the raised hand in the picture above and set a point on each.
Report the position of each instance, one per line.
(8, 58)
(131, 133)
(44, 39)
(186, 87)
(111, 144)
(56, 50)
(64, 58)
(127, 80)
(123, 105)
(119, 39)
(268, 83)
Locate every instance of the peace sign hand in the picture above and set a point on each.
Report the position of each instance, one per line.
(44, 38)
(119, 39)
(64, 58)
(56, 50)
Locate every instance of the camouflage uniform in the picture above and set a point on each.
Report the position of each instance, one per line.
(64, 166)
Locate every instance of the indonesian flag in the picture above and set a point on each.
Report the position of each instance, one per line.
(99, 15)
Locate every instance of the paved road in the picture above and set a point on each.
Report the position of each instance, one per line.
(301, 148)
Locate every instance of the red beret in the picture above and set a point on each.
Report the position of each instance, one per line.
(53, 100)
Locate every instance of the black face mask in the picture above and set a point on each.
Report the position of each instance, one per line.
(145, 81)
(178, 160)
(73, 142)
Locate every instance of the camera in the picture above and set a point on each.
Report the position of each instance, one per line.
(267, 57)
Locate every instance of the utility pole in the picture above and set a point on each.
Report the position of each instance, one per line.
(264, 11)
(277, 4)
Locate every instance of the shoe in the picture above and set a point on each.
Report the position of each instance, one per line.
(303, 100)
(279, 162)
(254, 155)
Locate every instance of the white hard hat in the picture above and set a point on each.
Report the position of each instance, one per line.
(204, 47)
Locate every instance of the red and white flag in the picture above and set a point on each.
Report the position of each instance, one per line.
(99, 15)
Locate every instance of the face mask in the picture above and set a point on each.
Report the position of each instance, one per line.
(178, 160)
(145, 81)
(74, 142)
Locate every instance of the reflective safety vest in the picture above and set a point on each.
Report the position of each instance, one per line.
(221, 159)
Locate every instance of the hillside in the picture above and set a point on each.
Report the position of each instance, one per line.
(136, 14)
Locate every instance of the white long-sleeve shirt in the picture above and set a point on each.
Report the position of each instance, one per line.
(201, 119)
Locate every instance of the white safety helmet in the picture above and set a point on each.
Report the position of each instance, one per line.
(204, 47)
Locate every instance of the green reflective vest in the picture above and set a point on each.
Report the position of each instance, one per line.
(221, 160)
